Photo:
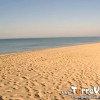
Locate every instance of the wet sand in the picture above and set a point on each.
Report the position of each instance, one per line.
(43, 74)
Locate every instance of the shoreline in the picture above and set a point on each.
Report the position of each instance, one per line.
(44, 74)
(19, 52)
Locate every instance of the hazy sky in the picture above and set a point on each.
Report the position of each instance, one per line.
(49, 18)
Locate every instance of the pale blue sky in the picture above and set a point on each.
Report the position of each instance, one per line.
(49, 18)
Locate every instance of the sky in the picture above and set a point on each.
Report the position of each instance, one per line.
(49, 18)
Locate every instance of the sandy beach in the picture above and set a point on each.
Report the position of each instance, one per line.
(44, 74)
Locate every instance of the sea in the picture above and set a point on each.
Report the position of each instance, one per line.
(30, 44)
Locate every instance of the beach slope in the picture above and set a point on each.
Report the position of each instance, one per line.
(43, 74)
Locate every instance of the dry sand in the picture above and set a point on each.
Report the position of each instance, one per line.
(43, 74)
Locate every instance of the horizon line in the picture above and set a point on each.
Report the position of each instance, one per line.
(47, 37)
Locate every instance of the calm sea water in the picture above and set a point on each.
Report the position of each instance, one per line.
(19, 45)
